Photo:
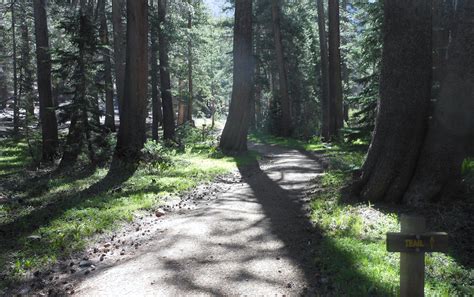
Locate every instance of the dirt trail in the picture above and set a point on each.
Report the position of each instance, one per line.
(253, 239)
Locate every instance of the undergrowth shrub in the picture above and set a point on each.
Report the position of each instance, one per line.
(157, 156)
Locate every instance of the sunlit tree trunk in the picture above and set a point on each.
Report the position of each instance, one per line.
(157, 113)
(119, 46)
(190, 68)
(166, 97)
(131, 135)
(323, 49)
(234, 136)
(49, 126)
(109, 89)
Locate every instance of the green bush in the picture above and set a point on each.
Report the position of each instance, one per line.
(157, 156)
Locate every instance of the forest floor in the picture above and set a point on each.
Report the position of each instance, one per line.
(274, 225)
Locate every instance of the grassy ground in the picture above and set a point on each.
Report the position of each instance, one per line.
(352, 253)
(45, 217)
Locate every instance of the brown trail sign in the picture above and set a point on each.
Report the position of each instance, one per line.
(412, 243)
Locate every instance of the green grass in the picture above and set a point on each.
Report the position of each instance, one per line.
(77, 214)
(13, 156)
(352, 253)
(311, 145)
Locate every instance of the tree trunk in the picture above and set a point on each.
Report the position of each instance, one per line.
(16, 108)
(155, 94)
(285, 106)
(323, 48)
(234, 136)
(119, 44)
(109, 89)
(3, 74)
(336, 113)
(131, 135)
(167, 99)
(404, 101)
(190, 69)
(3, 85)
(451, 129)
(49, 125)
(257, 94)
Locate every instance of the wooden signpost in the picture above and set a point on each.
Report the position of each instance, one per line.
(412, 243)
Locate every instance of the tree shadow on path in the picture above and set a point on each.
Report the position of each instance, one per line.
(286, 204)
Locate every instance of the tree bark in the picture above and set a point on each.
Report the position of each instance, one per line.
(166, 97)
(49, 125)
(323, 46)
(190, 69)
(119, 44)
(131, 135)
(16, 108)
(234, 136)
(336, 119)
(404, 101)
(3, 85)
(109, 89)
(258, 88)
(157, 113)
(451, 128)
(3, 74)
(285, 105)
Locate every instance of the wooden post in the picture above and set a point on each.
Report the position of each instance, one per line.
(413, 242)
(412, 265)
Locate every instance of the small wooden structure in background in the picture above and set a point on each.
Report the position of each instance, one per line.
(412, 243)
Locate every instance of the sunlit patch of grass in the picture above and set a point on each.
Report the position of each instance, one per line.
(314, 144)
(13, 156)
(71, 227)
(353, 248)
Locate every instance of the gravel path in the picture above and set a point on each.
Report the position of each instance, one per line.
(253, 238)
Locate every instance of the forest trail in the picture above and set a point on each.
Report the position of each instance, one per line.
(254, 238)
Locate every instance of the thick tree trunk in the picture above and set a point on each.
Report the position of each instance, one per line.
(190, 69)
(324, 83)
(157, 113)
(336, 113)
(109, 89)
(234, 136)
(285, 105)
(166, 97)
(451, 129)
(404, 101)
(16, 108)
(49, 125)
(131, 135)
(119, 52)
(442, 26)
